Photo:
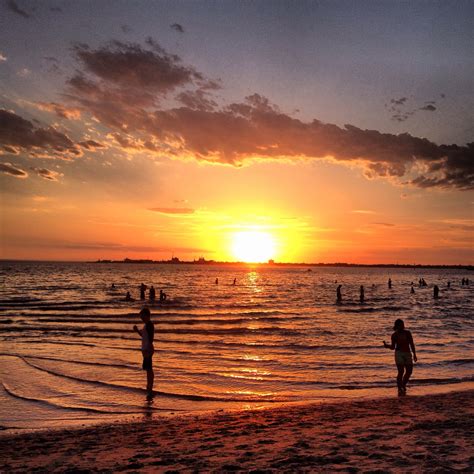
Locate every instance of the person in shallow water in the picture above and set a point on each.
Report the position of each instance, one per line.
(147, 334)
(338, 294)
(362, 294)
(402, 343)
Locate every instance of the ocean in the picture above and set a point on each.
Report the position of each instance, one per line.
(69, 356)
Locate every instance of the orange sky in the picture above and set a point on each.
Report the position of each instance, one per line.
(154, 141)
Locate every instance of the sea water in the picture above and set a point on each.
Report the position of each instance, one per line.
(69, 356)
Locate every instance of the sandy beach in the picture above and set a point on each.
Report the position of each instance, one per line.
(412, 434)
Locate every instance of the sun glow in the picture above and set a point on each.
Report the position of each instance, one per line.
(253, 246)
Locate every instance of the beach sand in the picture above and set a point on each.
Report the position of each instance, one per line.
(431, 433)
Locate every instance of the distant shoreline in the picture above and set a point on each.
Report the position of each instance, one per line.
(176, 261)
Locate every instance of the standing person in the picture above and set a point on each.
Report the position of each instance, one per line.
(217, 281)
(412, 291)
(362, 296)
(402, 342)
(147, 334)
(338, 294)
(435, 291)
(152, 293)
(389, 283)
(142, 291)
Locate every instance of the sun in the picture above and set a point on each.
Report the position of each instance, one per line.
(253, 246)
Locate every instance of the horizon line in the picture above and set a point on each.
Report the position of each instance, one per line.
(216, 262)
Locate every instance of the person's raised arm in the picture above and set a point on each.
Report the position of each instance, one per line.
(390, 346)
(412, 346)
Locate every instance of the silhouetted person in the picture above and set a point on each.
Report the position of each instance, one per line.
(462, 282)
(362, 295)
(420, 283)
(147, 334)
(217, 281)
(435, 291)
(152, 293)
(449, 284)
(142, 291)
(338, 294)
(128, 297)
(235, 279)
(162, 295)
(402, 342)
(113, 286)
(423, 282)
(467, 281)
(389, 283)
(412, 291)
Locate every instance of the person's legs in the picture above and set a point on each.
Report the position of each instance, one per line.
(150, 378)
(400, 369)
(408, 372)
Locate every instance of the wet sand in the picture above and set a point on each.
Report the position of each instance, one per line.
(433, 433)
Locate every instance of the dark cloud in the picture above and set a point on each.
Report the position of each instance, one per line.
(128, 65)
(124, 86)
(16, 131)
(56, 9)
(400, 101)
(47, 174)
(126, 29)
(197, 100)
(12, 170)
(429, 107)
(91, 145)
(172, 210)
(177, 27)
(13, 6)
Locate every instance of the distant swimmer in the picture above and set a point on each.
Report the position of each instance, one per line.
(235, 280)
(423, 282)
(142, 291)
(467, 281)
(362, 295)
(128, 297)
(435, 291)
(412, 291)
(217, 281)
(152, 293)
(147, 334)
(338, 294)
(113, 286)
(162, 295)
(402, 342)
(449, 284)
(389, 283)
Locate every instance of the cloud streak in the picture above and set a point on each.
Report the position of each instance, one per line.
(18, 134)
(13, 7)
(11, 170)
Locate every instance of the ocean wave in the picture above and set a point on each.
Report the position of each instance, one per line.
(51, 404)
(180, 396)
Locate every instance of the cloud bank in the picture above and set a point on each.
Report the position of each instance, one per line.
(149, 101)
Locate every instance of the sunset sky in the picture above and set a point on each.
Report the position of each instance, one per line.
(320, 131)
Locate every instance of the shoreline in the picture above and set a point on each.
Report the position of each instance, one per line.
(412, 433)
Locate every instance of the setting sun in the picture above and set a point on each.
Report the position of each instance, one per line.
(253, 246)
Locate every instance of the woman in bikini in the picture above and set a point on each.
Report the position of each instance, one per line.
(402, 343)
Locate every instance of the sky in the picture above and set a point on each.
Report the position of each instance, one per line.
(309, 131)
